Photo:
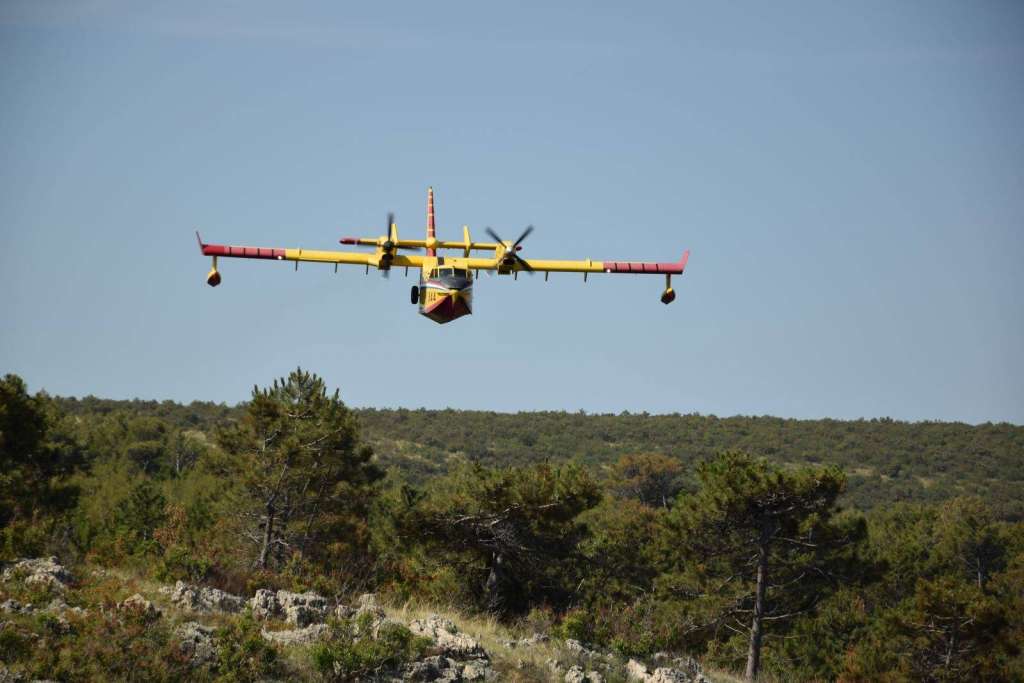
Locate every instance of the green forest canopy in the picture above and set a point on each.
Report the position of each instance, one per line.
(885, 460)
(635, 533)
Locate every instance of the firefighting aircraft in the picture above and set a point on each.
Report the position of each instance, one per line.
(445, 291)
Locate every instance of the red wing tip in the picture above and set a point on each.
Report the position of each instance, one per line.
(349, 240)
(682, 261)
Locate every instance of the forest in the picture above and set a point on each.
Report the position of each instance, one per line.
(764, 548)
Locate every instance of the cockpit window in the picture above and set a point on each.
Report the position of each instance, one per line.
(450, 272)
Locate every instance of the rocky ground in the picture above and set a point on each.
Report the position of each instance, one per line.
(476, 649)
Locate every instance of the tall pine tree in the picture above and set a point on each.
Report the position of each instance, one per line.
(305, 476)
(756, 546)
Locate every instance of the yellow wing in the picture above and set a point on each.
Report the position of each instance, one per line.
(375, 259)
(509, 265)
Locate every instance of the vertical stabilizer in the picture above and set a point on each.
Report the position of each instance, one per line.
(431, 231)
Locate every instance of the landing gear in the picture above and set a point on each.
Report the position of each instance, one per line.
(414, 295)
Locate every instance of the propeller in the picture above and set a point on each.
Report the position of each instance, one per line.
(389, 243)
(389, 247)
(511, 257)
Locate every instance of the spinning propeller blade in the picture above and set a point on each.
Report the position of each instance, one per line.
(511, 257)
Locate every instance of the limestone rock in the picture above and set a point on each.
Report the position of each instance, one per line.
(8, 676)
(302, 609)
(443, 632)
(46, 571)
(435, 668)
(13, 605)
(691, 667)
(575, 674)
(197, 643)
(368, 600)
(370, 607)
(639, 672)
(264, 604)
(577, 648)
(667, 675)
(476, 671)
(62, 609)
(636, 671)
(299, 636)
(203, 599)
(139, 606)
(535, 639)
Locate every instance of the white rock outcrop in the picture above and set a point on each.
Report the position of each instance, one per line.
(59, 607)
(436, 669)
(45, 571)
(636, 671)
(577, 648)
(443, 632)
(298, 636)
(302, 609)
(197, 643)
(140, 607)
(299, 609)
(203, 599)
(665, 674)
(576, 674)
(16, 607)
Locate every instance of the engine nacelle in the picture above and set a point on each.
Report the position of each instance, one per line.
(668, 296)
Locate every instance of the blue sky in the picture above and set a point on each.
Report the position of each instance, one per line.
(850, 180)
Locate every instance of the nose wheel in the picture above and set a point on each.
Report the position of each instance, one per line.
(414, 295)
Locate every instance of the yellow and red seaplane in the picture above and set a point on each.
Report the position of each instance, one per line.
(445, 291)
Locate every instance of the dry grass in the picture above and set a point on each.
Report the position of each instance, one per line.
(511, 661)
(522, 664)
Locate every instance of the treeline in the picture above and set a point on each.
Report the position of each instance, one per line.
(885, 461)
(726, 539)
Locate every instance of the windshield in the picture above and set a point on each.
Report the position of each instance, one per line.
(451, 272)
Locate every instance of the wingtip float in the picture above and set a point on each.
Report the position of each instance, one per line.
(445, 290)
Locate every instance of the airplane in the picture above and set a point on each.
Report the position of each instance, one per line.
(445, 290)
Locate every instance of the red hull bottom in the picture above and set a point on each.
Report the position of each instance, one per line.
(447, 310)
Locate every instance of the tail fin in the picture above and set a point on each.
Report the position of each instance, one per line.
(431, 231)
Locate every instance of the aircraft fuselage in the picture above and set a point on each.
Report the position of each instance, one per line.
(445, 292)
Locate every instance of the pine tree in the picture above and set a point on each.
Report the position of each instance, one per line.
(511, 534)
(305, 475)
(756, 546)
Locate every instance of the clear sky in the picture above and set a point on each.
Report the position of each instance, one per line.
(850, 179)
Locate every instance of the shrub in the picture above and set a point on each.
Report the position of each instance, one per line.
(244, 655)
(342, 657)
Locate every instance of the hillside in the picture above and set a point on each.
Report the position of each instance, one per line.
(98, 624)
(861, 550)
(885, 460)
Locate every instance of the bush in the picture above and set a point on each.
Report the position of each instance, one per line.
(244, 655)
(341, 657)
(107, 646)
(15, 645)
